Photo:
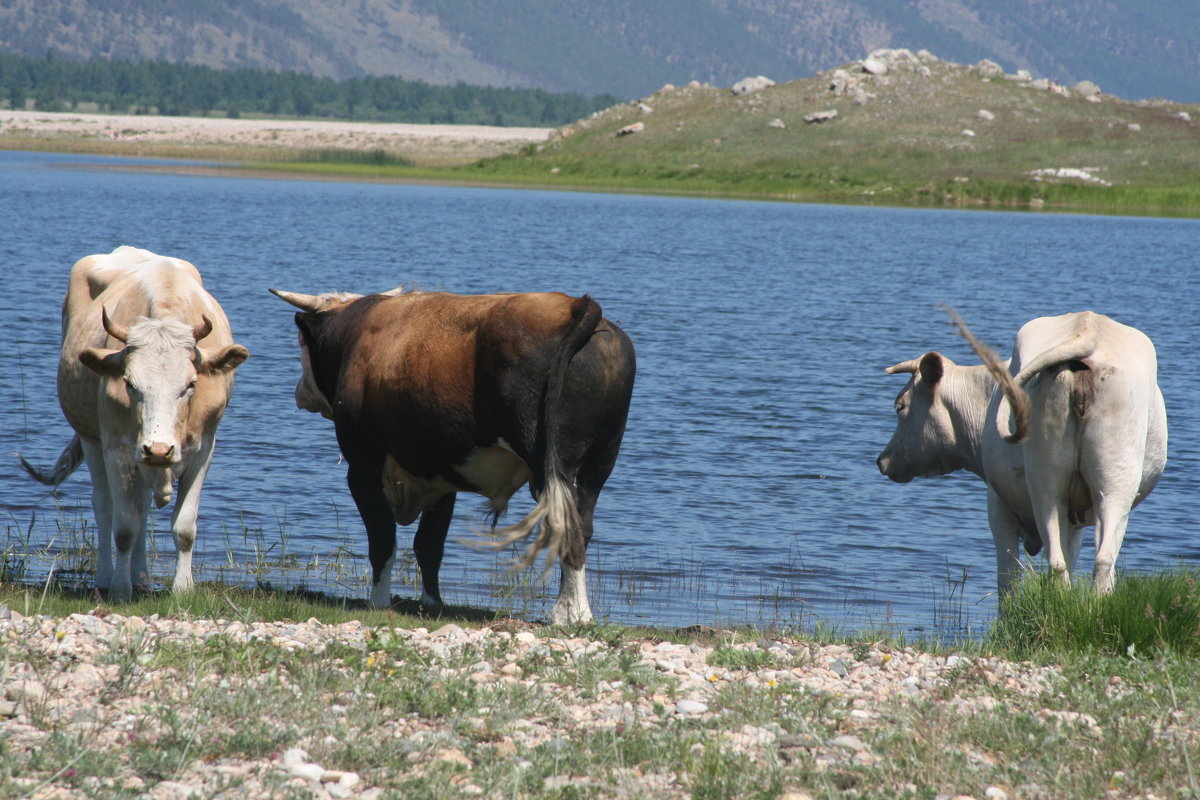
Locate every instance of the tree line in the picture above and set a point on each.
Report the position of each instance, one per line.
(57, 83)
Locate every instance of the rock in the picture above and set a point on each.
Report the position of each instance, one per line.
(1133, 126)
(690, 707)
(1041, 84)
(636, 127)
(645, 109)
(776, 123)
(874, 66)
(821, 116)
(1087, 89)
(989, 69)
(839, 82)
(306, 770)
(985, 114)
(1183, 115)
(968, 132)
(848, 743)
(995, 793)
(448, 631)
(748, 85)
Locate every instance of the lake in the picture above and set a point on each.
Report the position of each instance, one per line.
(746, 491)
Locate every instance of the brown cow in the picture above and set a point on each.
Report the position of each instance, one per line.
(434, 393)
(144, 398)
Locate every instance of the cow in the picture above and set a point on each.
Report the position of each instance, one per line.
(1070, 432)
(145, 373)
(433, 393)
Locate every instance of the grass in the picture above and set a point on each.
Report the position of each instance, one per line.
(491, 717)
(1146, 615)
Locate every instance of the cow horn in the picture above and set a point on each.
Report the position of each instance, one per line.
(118, 332)
(304, 302)
(399, 290)
(904, 366)
(1015, 403)
(203, 329)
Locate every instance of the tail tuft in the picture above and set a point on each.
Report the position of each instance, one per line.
(68, 461)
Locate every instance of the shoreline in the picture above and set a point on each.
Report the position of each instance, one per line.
(125, 134)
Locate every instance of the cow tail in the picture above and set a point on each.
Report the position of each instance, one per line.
(1012, 419)
(68, 461)
(555, 513)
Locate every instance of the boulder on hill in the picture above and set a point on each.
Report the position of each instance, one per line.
(748, 85)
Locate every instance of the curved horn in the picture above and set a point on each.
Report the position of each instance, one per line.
(118, 332)
(904, 366)
(203, 329)
(304, 302)
(1014, 406)
(399, 290)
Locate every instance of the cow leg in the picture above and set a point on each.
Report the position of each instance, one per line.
(1112, 517)
(573, 607)
(102, 506)
(131, 502)
(429, 544)
(363, 478)
(1006, 534)
(187, 509)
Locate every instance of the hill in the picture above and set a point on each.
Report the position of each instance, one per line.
(897, 128)
(1133, 48)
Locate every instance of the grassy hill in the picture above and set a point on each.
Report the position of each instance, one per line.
(927, 132)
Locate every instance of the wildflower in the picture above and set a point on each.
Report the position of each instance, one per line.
(371, 660)
(59, 635)
(771, 682)
(713, 678)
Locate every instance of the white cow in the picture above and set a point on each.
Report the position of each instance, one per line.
(144, 399)
(1071, 432)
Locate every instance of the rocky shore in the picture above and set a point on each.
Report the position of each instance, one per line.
(106, 680)
(437, 144)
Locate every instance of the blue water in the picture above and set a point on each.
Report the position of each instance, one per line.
(746, 490)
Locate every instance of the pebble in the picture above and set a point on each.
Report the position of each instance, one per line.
(70, 698)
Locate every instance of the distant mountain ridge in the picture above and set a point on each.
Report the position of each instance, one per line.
(1132, 48)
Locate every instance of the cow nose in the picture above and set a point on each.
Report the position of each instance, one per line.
(158, 453)
(882, 463)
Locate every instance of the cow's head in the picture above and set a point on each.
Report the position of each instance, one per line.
(153, 379)
(925, 440)
(314, 310)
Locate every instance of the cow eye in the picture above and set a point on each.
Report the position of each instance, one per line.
(900, 405)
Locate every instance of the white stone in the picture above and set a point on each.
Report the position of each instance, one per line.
(874, 66)
(306, 770)
(690, 707)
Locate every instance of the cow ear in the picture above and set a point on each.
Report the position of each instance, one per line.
(224, 360)
(106, 363)
(931, 368)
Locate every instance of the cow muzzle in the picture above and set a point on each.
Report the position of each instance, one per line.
(159, 454)
(888, 468)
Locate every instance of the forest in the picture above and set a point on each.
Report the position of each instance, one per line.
(57, 83)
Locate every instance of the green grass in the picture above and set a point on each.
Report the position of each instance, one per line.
(412, 719)
(1146, 615)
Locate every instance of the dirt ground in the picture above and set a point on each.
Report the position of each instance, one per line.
(423, 144)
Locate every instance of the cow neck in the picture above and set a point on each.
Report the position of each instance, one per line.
(968, 391)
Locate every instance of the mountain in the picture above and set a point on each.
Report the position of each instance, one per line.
(1132, 48)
